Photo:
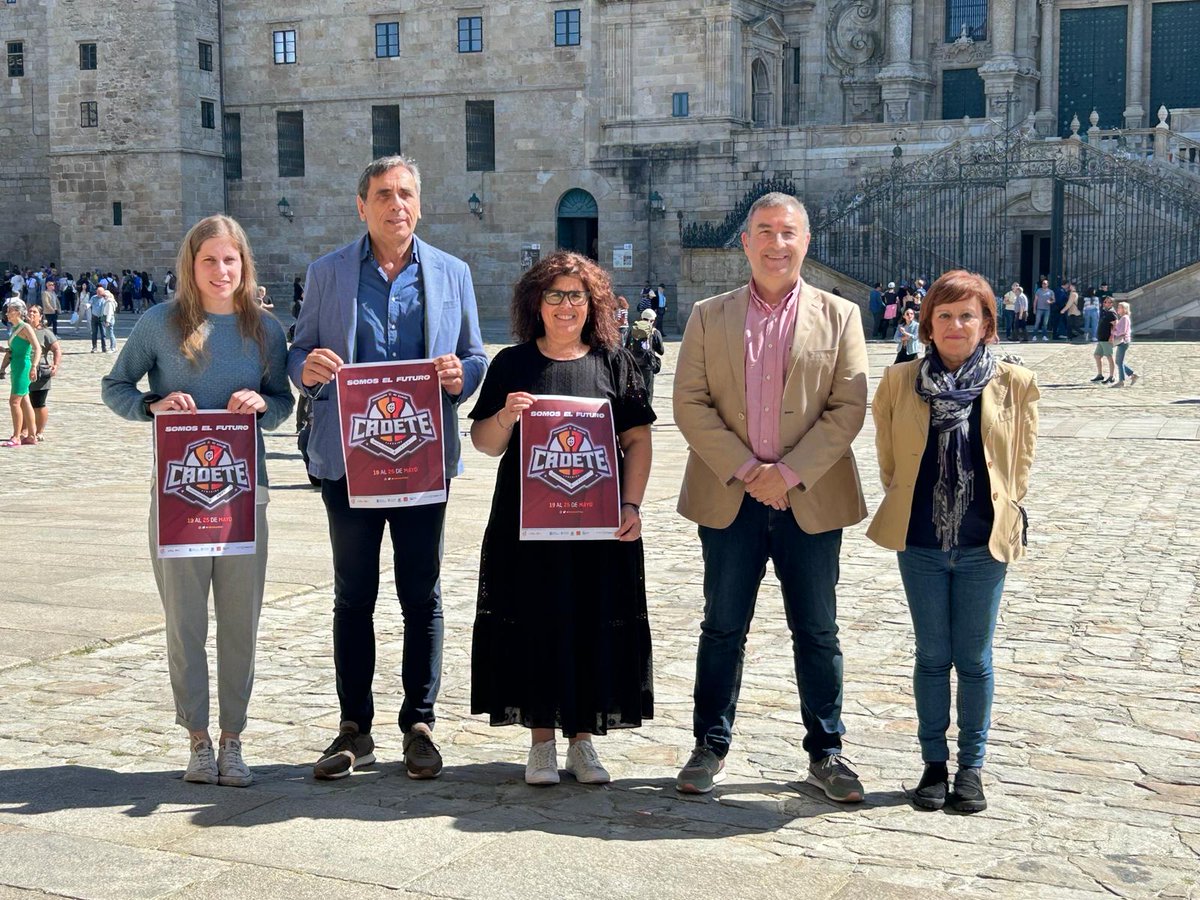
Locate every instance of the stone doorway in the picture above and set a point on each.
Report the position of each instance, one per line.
(579, 223)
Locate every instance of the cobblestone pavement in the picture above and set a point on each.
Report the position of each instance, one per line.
(1093, 775)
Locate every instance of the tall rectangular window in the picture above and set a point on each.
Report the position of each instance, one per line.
(289, 131)
(89, 117)
(481, 136)
(118, 214)
(566, 27)
(285, 47)
(385, 131)
(966, 18)
(470, 34)
(679, 104)
(16, 59)
(962, 94)
(232, 140)
(206, 56)
(208, 114)
(87, 57)
(797, 65)
(387, 40)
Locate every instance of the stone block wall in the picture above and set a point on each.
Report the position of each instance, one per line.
(28, 235)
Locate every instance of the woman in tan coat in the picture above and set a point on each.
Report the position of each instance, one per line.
(955, 435)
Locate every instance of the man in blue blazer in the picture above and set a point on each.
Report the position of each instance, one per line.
(386, 296)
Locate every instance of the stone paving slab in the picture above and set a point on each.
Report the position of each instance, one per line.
(1094, 767)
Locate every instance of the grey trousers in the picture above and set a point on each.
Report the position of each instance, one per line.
(237, 589)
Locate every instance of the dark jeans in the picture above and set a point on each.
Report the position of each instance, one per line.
(52, 321)
(1010, 317)
(735, 561)
(356, 535)
(954, 597)
(880, 325)
(98, 329)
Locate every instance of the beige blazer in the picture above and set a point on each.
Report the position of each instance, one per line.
(824, 405)
(1009, 420)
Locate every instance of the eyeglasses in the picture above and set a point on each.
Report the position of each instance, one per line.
(574, 298)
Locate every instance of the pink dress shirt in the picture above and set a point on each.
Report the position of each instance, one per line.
(770, 331)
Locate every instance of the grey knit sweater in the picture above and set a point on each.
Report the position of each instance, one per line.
(230, 364)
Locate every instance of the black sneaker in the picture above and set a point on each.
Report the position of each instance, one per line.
(348, 751)
(1098, 379)
(1108, 380)
(421, 756)
(839, 782)
(703, 769)
(968, 791)
(931, 792)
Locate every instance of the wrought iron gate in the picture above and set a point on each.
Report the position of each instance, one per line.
(1124, 221)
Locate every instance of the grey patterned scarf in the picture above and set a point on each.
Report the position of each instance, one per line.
(950, 395)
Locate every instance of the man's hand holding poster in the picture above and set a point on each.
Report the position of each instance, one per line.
(206, 465)
(570, 483)
(391, 421)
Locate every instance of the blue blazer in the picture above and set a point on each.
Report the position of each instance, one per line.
(329, 319)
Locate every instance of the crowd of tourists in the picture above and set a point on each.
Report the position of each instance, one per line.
(1063, 313)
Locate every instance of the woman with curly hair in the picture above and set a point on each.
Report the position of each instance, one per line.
(561, 637)
(212, 347)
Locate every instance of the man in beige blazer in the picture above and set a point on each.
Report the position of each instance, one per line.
(770, 391)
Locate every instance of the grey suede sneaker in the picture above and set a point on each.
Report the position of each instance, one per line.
(421, 756)
(349, 750)
(839, 782)
(703, 770)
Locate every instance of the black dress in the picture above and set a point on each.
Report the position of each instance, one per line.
(561, 635)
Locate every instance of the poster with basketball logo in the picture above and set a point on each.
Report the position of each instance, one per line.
(206, 466)
(391, 420)
(570, 489)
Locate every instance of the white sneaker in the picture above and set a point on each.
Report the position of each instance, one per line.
(202, 767)
(584, 764)
(231, 768)
(542, 767)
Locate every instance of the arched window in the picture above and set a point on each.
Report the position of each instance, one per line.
(760, 83)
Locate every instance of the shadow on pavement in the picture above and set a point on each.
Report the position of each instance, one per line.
(480, 798)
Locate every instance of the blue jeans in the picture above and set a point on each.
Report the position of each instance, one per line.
(954, 598)
(1091, 321)
(735, 561)
(1043, 320)
(98, 333)
(1009, 318)
(1122, 370)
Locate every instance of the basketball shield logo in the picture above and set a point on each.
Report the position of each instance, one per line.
(391, 427)
(208, 475)
(570, 462)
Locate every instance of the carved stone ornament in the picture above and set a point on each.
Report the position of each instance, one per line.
(969, 51)
(852, 34)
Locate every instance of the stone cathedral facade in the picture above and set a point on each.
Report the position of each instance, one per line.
(602, 126)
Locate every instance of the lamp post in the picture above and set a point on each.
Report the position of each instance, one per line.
(285, 209)
(475, 205)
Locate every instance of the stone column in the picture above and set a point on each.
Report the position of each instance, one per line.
(899, 32)
(1002, 73)
(1135, 113)
(1004, 28)
(1047, 118)
(901, 82)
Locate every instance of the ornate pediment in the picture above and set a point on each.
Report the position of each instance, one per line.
(769, 29)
